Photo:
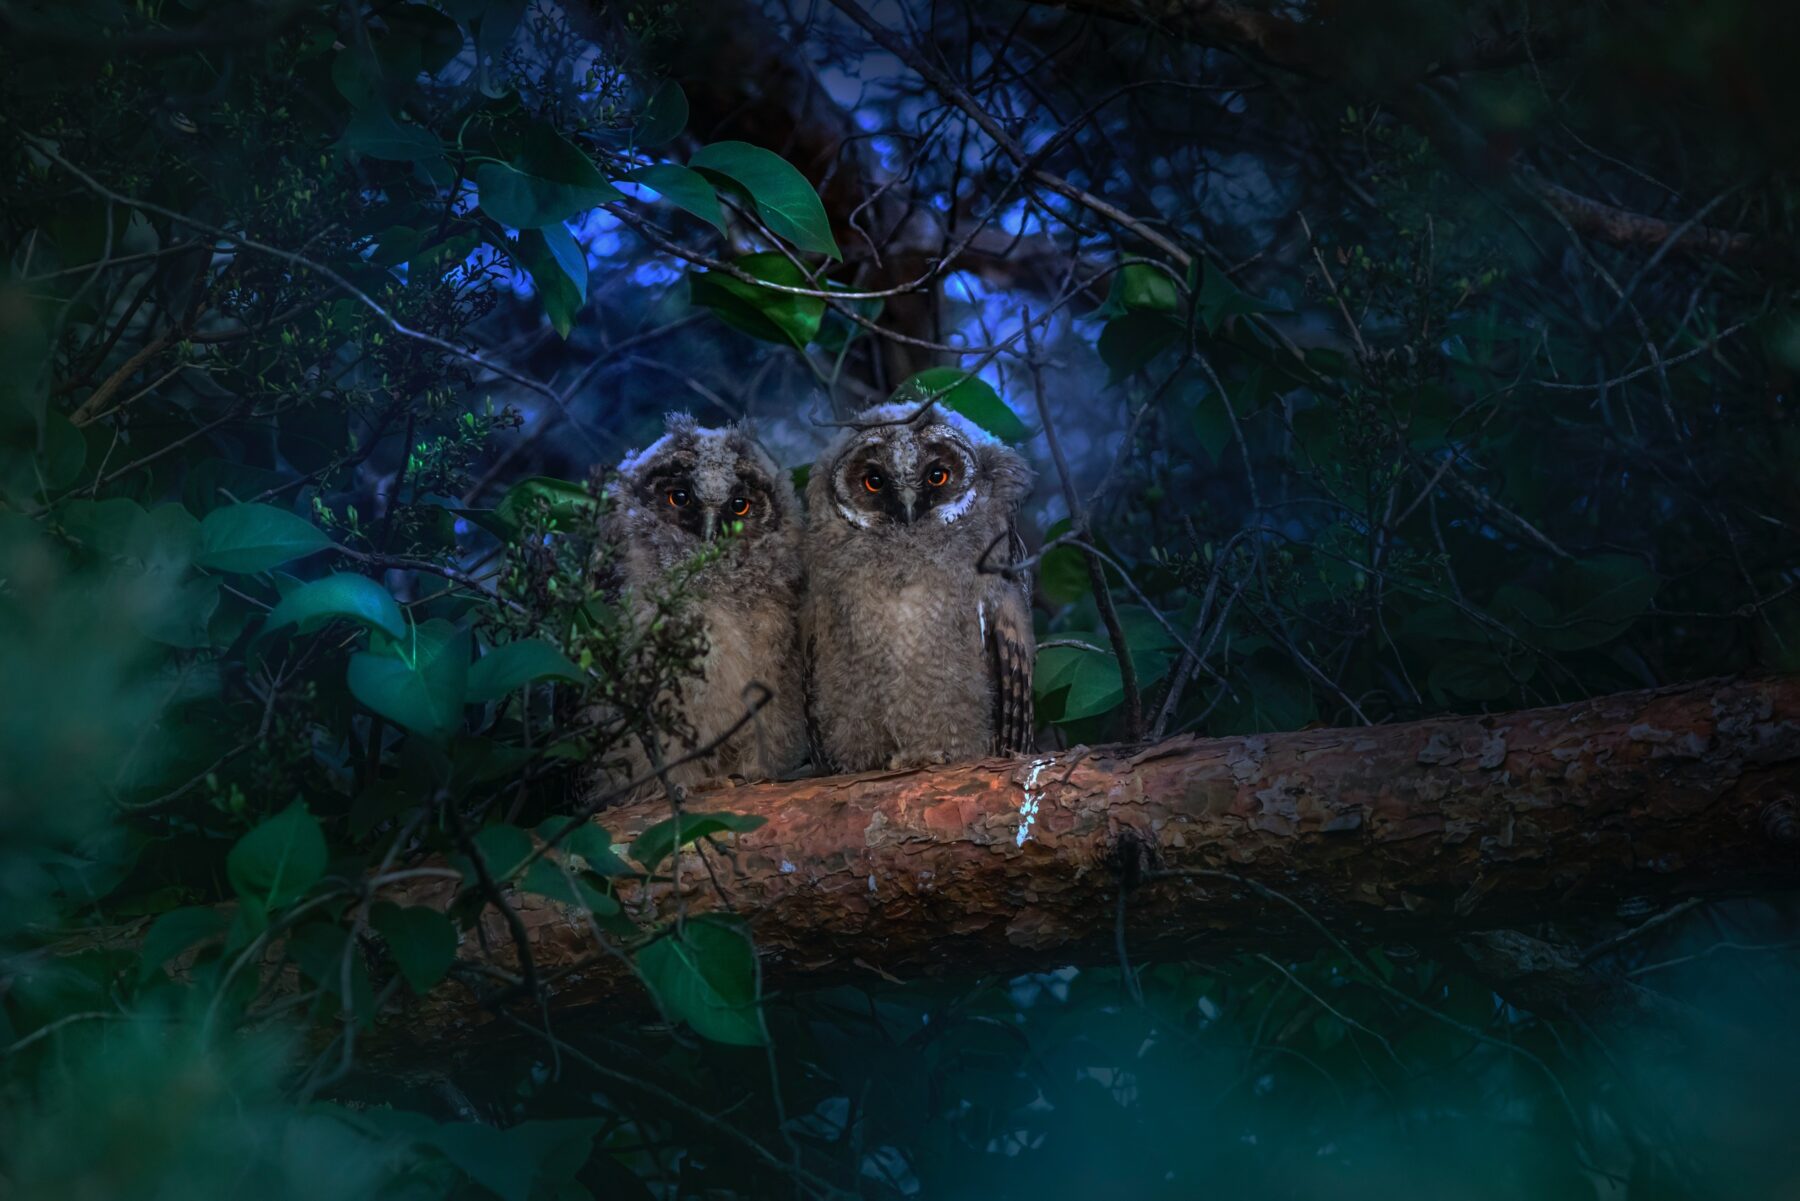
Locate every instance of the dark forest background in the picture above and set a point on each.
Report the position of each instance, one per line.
(1405, 357)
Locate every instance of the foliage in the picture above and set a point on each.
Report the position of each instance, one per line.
(318, 317)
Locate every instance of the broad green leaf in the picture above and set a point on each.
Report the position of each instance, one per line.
(1210, 421)
(503, 848)
(548, 879)
(1142, 286)
(166, 539)
(784, 199)
(591, 842)
(1474, 673)
(515, 664)
(685, 189)
(372, 133)
(418, 682)
(1130, 341)
(105, 527)
(969, 395)
(1597, 598)
(174, 932)
(659, 841)
(1221, 298)
(322, 950)
(550, 180)
(437, 37)
(665, 115)
(703, 972)
(760, 312)
(182, 618)
(280, 859)
(1090, 674)
(37, 454)
(558, 268)
(1268, 692)
(251, 537)
(422, 940)
(569, 503)
(352, 597)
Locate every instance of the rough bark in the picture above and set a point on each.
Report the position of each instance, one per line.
(1422, 832)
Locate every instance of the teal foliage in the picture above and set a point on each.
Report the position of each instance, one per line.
(317, 317)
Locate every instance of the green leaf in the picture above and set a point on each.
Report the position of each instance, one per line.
(548, 879)
(703, 972)
(760, 312)
(422, 940)
(166, 539)
(105, 527)
(319, 950)
(352, 597)
(784, 199)
(1090, 674)
(1221, 298)
(558, 268)
(436, 35)
(659, 841)
(1473, 673)
(1063, 576)
(550, 180)
(568, 503)
(969, 395)
(515, 664)
(280, 859)
(423, 691)
(182, 618)
(683, 188)
(1598, 597)
(1130, 341)
(665, 115)
(176, 931)
(503, 848)
(372, 133)
(591, 842)
(1143, 286)
(250, 538)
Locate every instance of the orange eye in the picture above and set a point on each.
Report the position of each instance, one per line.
(873, 481)
(678, 497)
(937, 477)
(740, 507)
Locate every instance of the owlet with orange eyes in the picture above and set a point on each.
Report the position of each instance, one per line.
(919, 646)
(697, 488)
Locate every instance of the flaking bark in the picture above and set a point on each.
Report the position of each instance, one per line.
(1417, 832)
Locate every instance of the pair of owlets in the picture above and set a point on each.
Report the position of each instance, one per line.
(880, 619)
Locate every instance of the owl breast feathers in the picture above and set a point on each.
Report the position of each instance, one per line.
(919, 646)
(693, 488)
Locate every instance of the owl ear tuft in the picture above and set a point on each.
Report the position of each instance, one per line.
(1009, 475)
(680, 423)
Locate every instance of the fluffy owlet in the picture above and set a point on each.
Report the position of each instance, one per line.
(693, 486)
(920, 652)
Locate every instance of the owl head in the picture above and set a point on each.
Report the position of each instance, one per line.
(905, 473)
(696, 485)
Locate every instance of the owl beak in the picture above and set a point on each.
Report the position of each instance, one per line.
(709, 525)
(909, 499)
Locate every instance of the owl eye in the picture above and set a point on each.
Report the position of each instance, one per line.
(873, 481)
(678, 497)
(937, 477)
(740, 507)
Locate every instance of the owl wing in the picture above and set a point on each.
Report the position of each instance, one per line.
(1005, 614)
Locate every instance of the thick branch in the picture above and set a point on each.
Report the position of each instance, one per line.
(1420, 832)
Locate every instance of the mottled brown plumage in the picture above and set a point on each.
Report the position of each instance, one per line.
(919, 649)
(667, 503)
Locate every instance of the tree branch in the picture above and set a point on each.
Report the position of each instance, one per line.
(1424, 832)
